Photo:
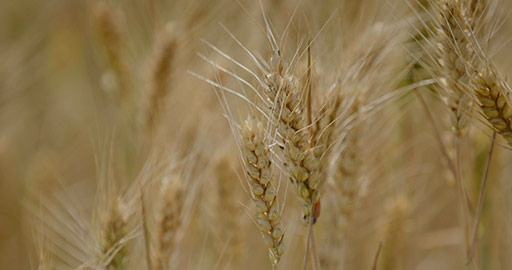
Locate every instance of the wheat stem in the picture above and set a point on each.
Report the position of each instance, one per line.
(308, 241)
(314, 253)
(481, 198)
(377, 255)
(145, 230)
(462, 193)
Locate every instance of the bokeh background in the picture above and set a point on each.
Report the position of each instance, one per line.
(59, 120)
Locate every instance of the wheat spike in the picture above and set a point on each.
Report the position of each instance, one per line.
(347, 172)
(454, 53)
(228, 213)
(110, 34)
(395, 237)
(256, 157)
(167, 221)
(161, 72)
(493, 95)
(303, 159)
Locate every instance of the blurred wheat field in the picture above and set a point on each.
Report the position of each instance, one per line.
(272, 134)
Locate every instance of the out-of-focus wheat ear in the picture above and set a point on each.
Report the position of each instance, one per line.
(347, 171)
(256, 160)
(228, 213)
(160, 73)
(167, 223)
(113, 233)
(493, 94)
(109, 30)
(394, 235)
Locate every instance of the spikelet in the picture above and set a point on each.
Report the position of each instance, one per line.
(256, 158)
(394, 238)
(167, 221)
(302, 158)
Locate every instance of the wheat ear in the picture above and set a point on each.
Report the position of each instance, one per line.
(256, 157)
(394, 235)
(455, 23)
(167, 221)
(303, 159)
(228, 213)
(161, 72)
(454, 52)
(347, 176)
(493, 95)
(110, 34)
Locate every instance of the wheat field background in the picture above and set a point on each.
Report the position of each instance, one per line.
(272, 134)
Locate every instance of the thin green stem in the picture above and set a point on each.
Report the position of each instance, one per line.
(462, 194)
(146, 236)
(481, 199)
